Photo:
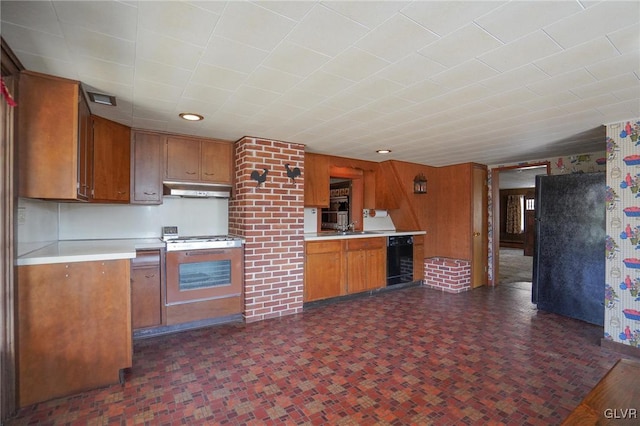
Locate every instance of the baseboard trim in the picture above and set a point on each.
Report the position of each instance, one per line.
(621, 348)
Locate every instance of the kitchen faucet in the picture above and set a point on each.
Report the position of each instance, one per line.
(345, 228)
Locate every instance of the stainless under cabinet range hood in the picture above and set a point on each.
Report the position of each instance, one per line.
(196, 190)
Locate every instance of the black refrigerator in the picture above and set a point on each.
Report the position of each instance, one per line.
(569, 255)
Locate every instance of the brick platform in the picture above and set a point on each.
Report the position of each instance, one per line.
(449, 275)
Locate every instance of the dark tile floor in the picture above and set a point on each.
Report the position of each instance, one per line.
(411, 356)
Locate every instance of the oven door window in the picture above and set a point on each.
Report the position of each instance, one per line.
(195, 275)
(201, 275)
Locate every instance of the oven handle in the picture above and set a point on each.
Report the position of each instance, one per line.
(202, 252)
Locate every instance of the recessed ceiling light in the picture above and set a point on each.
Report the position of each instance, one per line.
(191, 116)
(102, 99)
(383, 151)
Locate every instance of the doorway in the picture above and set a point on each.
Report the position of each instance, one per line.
(513, 193)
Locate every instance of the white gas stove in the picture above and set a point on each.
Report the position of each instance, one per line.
(176, 242)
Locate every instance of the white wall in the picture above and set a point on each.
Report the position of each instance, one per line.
(47, 221)
(207, 216)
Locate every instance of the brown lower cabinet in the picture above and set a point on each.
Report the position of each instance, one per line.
(146, 289)
(346, 266)
(74, 327)
(418, 257)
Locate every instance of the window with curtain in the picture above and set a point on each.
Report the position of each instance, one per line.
(515, 212)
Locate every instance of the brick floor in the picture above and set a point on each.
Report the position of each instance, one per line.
(412, 356)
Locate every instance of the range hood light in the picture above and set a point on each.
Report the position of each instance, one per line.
(102, 99)
(383, 151)
(189, 116)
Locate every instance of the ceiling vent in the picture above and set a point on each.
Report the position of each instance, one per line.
(102, 99)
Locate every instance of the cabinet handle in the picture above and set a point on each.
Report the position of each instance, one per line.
(150, 276)
(122, 192)
(209, 174)
(476, 234)
(190, 173)
(149, 193)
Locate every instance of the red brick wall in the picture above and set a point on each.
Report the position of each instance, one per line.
(450, 275)
(271, 219)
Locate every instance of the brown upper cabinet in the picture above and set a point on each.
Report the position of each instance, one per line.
(147, 153)
(198, 160)
(316, 180)
(54, 139)
(111, 161)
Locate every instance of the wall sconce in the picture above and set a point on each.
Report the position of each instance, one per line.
(420, 184)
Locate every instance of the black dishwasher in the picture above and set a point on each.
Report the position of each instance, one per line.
(399, 259)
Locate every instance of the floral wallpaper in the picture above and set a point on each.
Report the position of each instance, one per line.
(589, 162)
(622, 251)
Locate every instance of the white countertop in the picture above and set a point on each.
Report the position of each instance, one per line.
(329, 235)
(88, 250)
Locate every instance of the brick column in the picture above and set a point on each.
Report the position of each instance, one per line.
(450, 275)
(271, 219)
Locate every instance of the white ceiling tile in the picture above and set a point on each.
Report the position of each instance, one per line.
(209, 94)
(47, 65)
(422, 91)
(466, 43)
(396, 38)
(390, 104)
(108, 17)
(615, 66)
(282, 109)
(411, 69)
(250, 24)
(518, 18)
(443, 17)
(100, 46)
(218, 77)
(577, 57)
(230, 54)
(301, 98)
(355, 64)
(35, 42)
(626, 40)
(312, 32)
(375, 88)
(179, 20)
(521, 52)
(599, 20)
(463, 74)
(511, 97)
(626, 110)
(602, 87)
(295, 10)
(153, 89)
(562, 82)
(325, 84)
(161, 73)
(368, 13)
(512, 79)
(36, 15)
(212, 6)
(240, 108)
(325, 113)
(158, 48)
(295, 59)
(104, 70)
(255, 95)
(550, 101)
(628, 93)
(270, 79)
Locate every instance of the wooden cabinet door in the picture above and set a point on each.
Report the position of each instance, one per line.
(111, 161)
(216, 162)
(357, 271)
(147, 151)
(54, 144)
(377, 268)
(182, 159)
(323, 276)
(74, 327)
(316, 180)
(146, 301)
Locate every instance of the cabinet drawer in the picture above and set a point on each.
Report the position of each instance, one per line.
(323, 247)
(365, 243)
(146, 258)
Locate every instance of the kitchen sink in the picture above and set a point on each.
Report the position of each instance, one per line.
(334, 233)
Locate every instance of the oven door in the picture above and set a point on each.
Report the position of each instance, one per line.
(194, 275)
